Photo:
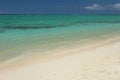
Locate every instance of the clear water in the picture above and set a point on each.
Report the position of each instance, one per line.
(24, 34)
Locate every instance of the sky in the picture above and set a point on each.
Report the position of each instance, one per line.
(59, 6)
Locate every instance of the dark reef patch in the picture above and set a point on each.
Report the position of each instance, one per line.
(48, 26)
(26, 27)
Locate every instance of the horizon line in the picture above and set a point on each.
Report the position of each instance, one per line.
(56, 14)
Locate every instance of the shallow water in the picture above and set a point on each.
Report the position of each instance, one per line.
(24, 34)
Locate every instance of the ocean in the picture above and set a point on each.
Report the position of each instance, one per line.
(41, 34)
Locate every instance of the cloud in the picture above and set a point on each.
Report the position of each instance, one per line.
(103, 7)
(94, 7)
(117, 6)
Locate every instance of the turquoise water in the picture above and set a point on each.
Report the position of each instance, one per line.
(29, 34)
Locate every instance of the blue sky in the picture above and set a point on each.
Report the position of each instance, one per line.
(59, 6)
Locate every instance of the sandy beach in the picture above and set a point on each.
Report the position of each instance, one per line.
(97, 63)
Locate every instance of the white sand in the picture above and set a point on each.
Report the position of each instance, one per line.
(100, 63)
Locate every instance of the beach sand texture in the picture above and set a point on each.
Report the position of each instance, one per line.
(100, 63)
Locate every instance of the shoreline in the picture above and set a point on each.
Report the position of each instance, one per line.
(34, 59)
(92, 62)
